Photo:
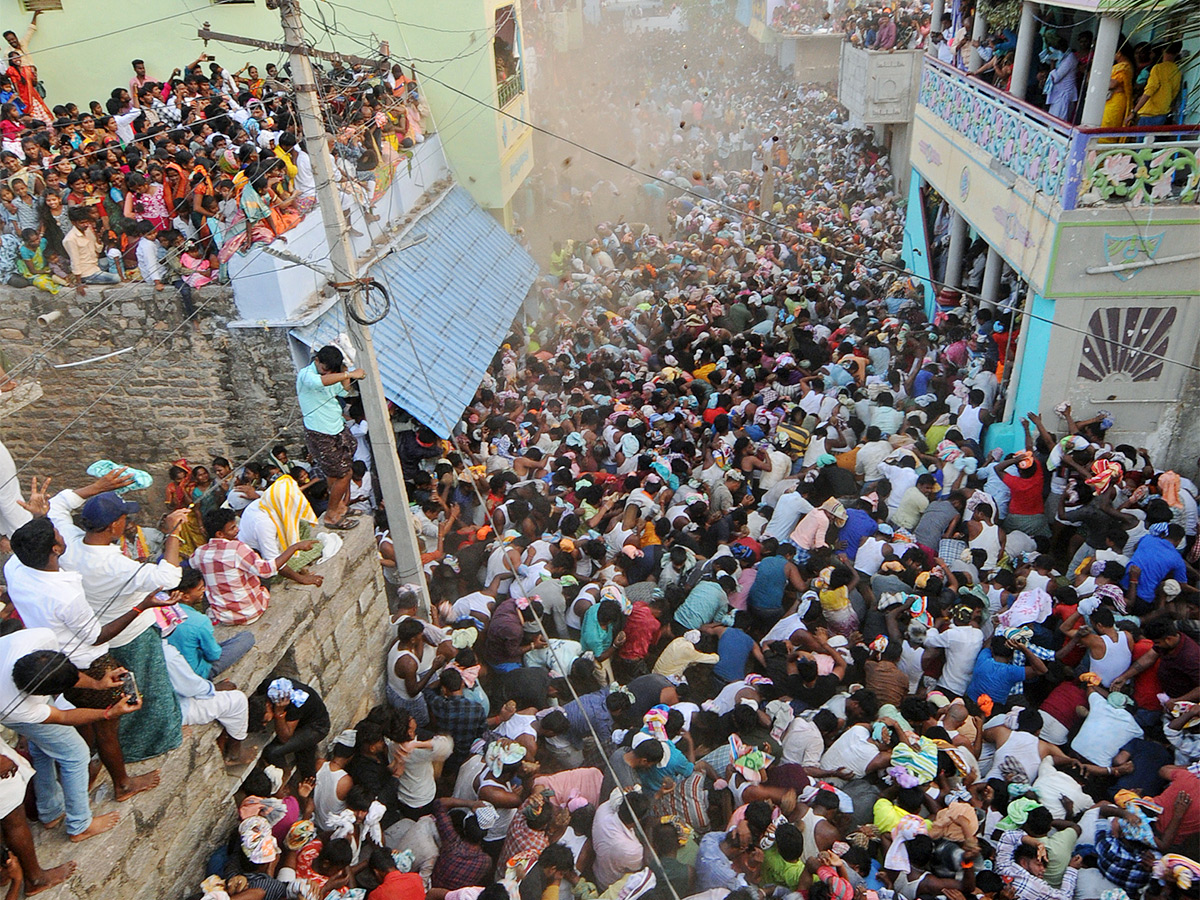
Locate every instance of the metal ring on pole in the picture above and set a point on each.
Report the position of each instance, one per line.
(359, 303)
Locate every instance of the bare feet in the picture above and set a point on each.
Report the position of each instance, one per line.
(50, 826)
(100, 824)
(136, 784)
(50, 878)
(237, 754)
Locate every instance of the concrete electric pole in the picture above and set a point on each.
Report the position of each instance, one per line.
(345, 266)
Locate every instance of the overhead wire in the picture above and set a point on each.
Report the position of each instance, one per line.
(77, 640)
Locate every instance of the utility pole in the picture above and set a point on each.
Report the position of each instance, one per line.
(345, 266)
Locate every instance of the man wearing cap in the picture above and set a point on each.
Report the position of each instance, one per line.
(114, 585)
(47, 596)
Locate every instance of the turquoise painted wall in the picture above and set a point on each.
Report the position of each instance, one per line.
(1010, 436)
(914, 240)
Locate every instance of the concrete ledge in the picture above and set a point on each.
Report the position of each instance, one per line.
(333, 637)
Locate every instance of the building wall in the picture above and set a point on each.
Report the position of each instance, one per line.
(490, 153)
(207, 390)
(333, 638)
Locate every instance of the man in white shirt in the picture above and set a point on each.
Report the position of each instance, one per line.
(114, 584)
(46, 596)
(790, 509)
(961, 642)
(32, 672)
(203, 702)
(902, 476)
(257, 530)
(871, 454)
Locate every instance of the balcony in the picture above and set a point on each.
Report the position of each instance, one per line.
(878, 87)
(510, 88)
(1072, 166)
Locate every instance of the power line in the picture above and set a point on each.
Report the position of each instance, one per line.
(96, 37)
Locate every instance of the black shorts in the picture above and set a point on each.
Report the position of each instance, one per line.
(334, 453)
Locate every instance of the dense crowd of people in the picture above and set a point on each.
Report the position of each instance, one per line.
(1145, 85)
(169, 176)
(729, 599)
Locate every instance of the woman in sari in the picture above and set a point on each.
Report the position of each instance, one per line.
(252, 222)
(24, 79)
(1120, 91)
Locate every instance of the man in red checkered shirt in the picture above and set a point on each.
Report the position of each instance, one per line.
(233, 572)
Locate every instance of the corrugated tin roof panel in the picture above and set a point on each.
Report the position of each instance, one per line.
(454, 296)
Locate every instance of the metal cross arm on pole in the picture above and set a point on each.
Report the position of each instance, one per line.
(206, 34)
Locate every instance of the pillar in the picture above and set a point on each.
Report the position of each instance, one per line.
(1023, 55)
(1107, 37)
(899, 150)
(937, 8)
(978, 33)
(956, 251)
(991, 277)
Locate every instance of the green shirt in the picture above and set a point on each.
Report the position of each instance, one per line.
(318, 402)
(1059, 848)
(777, 870)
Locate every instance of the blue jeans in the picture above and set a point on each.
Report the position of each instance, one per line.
(232, 650)
(1147, 121)
(61, 744)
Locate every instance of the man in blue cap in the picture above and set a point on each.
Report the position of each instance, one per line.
(113, 585)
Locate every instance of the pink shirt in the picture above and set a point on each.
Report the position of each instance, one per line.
(809, 533)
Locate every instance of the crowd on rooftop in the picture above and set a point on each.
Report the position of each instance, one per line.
(729, 597)
(166, 178)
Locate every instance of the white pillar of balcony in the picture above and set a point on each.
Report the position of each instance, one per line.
(1023, 55)
(956, 251)
(978, 33)
(1107, 37)
(937, 8)
(991, 278)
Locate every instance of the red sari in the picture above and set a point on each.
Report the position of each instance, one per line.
(24, 77)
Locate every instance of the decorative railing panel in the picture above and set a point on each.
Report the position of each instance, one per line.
(1117, 170)
(1031, 145)
(510, 88)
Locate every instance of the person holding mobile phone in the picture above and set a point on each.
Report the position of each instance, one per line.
(34, 670)
(48, 596)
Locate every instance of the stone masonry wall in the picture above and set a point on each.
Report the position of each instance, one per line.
(194, 389)
(334, 638)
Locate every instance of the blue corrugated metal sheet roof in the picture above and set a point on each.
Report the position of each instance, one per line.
(454, 296)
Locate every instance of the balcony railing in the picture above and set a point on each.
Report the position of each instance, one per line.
(510, 88)
(1024, 139)
(1076, 166)
(1138, 167)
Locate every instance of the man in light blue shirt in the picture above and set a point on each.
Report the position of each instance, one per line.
(330, 443)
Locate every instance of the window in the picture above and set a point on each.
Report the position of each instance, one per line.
(510, 77)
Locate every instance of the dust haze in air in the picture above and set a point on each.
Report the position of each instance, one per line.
(638, 97)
